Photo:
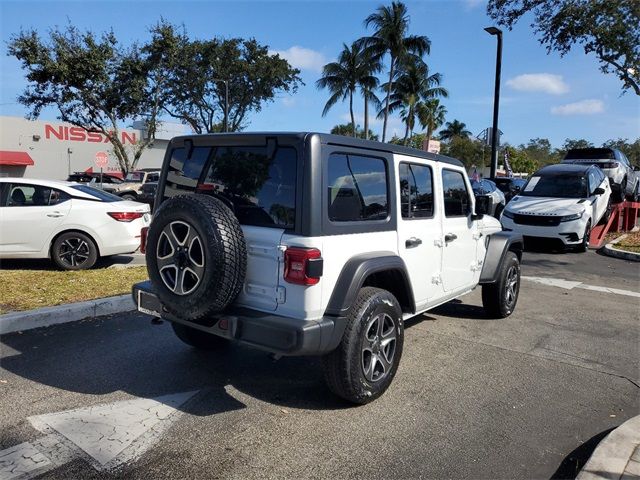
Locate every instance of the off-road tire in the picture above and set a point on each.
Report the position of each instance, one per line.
(63, 248)
(499, 299)
(199, 339)
(344, 368)
(222, 252)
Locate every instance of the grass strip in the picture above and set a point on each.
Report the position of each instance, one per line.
(28, 289)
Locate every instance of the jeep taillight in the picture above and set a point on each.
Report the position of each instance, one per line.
(302, 266)
(144, 233)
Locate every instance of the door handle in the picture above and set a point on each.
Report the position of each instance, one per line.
(450, 237)
(55, 215)
(412, 242)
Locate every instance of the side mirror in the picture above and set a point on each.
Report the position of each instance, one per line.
(516, 188)
(598, 191)
(483, 206)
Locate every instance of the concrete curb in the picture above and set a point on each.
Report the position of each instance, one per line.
(611, 251)
(613, 457)
(71, 312)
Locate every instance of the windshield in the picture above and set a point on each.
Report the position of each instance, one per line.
(99, 194)
(563, 186)
(134, 177)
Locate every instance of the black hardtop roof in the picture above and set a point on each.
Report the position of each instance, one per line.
(591, 153)
(564, 169)
(330, 139)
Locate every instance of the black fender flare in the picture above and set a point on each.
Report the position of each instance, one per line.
(499, 244)
(354, 274)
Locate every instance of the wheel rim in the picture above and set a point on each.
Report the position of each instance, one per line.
(511, 286)
(180, 258)
(74, 252)
(587, 234)
(378, 347)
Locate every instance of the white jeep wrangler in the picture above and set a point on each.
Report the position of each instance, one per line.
(314, 244)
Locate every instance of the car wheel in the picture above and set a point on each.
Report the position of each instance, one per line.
(74, 251)
(199, 339)
(196, 256)
(584, 246)
(128, 196)
(498, 211)
(607, 213)
(365, 363)
(499, 299)
(621, 194)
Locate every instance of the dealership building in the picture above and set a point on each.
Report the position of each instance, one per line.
(52, 150)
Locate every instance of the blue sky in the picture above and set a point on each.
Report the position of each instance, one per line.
(542, 95)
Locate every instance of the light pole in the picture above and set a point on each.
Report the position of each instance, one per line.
(496, 101)
(226, 102)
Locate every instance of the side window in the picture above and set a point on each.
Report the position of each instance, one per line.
(456, 196)
(184, 172)
(593, 182)
(152, 177)
(416, 191)
(357, 188)
(58, 196)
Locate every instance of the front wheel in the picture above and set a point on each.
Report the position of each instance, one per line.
(499, 299)
(584, 246)
(362, 367)
(74, 251)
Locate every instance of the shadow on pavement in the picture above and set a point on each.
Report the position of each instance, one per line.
(48, 265)
(573, 463)
(129, 354)
(457, 309)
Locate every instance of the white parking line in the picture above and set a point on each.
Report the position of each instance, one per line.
(570, 285)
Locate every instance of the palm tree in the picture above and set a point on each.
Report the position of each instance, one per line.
(390, 36)
(353, 69)
(411, 89)
(454, 129)
(431, 115)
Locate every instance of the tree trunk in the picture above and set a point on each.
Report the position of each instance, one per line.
(366, 115)
(353, 121)
(429, 133)
(386, 102)
(406, 133)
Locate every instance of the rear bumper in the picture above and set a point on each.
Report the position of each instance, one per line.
(265, 331)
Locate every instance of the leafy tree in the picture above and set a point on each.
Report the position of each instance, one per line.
(631, 150)
(343, 77)
(391, 24)
(412, 88)
(94, 82)
(455, 129)
(610, 29)
(539, 150)
(468, 151)
(431, 115)
(346, 130)
(570, 144)
(519, 160)
(198, 70)
(415, 141)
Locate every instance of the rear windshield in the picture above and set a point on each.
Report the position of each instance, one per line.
(96, 192)
(590, 154)
(556, 186)
(135, 177)
(260, 189)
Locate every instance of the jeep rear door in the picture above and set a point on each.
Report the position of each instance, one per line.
(419, 228)
(258, 183)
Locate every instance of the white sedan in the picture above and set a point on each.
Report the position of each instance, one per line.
(560, 202)
(71, 223)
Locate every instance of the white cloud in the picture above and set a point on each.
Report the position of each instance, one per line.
(288, 102)
(583, 107)
(539, 82)
(302, 58)
(471, 4)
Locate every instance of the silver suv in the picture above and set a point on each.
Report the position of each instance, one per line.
(623, 177)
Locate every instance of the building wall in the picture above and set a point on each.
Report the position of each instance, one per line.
(59, 148)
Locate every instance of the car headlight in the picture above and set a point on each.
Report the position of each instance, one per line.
(507, 213)
(569, 218)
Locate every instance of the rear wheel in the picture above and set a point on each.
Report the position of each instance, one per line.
(129, 196)
(199, 339)
(74, 251)
(364, 364)
(499, 299)
(620, 195)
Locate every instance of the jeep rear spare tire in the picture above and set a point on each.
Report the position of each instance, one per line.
(196, 256)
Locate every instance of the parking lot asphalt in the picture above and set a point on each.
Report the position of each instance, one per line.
(524, 397)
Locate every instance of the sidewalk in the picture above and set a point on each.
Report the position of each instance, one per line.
(617, 456)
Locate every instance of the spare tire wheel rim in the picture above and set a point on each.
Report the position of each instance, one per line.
(180, 257)
(378, 348)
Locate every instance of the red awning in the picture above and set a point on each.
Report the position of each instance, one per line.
(15, 158)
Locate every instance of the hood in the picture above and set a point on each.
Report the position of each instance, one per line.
(126, 186)
(546, 206)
